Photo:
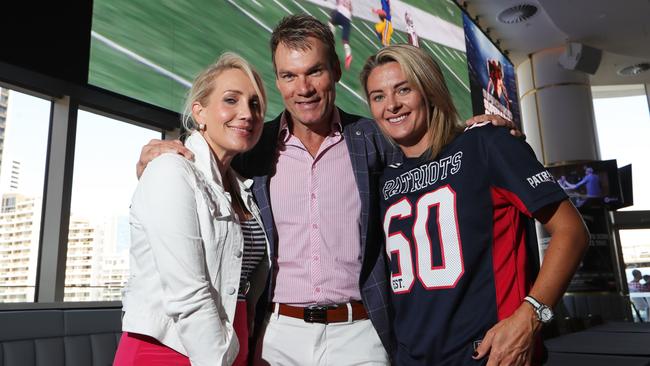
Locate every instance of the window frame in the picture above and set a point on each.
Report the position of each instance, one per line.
(66, 100)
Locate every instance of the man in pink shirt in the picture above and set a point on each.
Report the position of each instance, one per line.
(315, 167)
(315, 171)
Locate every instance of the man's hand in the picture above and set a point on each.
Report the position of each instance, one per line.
(496, 120)
(511, 341)
(156, 147)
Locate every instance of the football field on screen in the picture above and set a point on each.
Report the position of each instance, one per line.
(151, 50)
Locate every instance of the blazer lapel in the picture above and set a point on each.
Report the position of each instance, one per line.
(355, 141)
(259, 164)
(261, 194)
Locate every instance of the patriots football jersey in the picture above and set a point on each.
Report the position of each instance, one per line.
(455, 232)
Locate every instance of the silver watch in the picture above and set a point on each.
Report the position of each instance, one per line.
(544, 313)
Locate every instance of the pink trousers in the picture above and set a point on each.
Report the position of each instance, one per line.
(141, 350)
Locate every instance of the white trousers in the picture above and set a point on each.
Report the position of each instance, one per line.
(289, 341)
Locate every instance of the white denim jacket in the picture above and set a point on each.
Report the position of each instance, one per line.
(186, 255)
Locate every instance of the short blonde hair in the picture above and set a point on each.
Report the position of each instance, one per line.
(424, 74)
(203, 85)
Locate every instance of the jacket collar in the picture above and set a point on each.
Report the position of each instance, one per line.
(205, 161)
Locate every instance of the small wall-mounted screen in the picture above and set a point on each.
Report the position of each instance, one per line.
(590, 185)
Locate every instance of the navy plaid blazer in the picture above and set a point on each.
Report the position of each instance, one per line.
(369, 153)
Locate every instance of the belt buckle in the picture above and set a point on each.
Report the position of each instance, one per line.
(315, 314)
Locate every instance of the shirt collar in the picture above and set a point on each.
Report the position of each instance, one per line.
(284, 135)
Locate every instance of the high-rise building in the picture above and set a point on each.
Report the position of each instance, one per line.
(4, 102)
(20, 218)
(83, 266)
(94, 271)
(114, 274)
(14, 178)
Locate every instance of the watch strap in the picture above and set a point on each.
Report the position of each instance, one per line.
(543, 312)
(531, 300)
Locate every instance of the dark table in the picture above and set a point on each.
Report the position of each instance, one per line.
(615, 343)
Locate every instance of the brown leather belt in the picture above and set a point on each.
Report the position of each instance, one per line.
(323, 314)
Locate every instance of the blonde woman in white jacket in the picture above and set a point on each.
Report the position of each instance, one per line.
(198, 251)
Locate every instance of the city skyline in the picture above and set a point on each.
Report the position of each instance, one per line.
(104, 179)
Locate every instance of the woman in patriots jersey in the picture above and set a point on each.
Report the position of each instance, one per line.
(455, 212)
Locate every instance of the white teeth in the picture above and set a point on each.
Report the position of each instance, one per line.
(397, 119)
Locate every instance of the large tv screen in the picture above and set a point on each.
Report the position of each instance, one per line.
(591, 184)
(151, 50)
(491, 75)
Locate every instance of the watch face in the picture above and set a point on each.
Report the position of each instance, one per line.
(546, 315)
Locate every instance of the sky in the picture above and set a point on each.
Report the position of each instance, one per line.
(623, 127)
(27, 121)
(104, 165)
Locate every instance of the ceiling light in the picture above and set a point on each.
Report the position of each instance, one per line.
(517, 13)
(634, 69)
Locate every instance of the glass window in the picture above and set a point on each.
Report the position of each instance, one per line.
(24, 125)
(636, 247)
(623, 124)
(636, 254)
(106, 152)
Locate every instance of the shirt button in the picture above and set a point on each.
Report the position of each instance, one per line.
(316, 258)
(313, 196)
(231, 290)
(358, 133)
(239, 253)
(317, 289)
(314, 226)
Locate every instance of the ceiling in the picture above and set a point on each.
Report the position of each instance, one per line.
(621, 29)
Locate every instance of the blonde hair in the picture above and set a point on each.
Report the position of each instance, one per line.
(203, 85)
(424, 74)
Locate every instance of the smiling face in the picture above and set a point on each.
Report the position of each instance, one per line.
(307, 82)
(232, 115)
(398, 108)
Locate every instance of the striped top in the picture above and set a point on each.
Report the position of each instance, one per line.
(254, 247)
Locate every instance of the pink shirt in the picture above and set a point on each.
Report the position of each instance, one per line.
(317, 211)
